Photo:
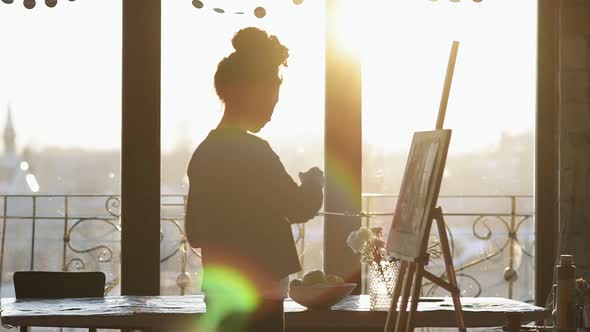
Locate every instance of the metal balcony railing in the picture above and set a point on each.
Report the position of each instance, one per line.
(491, 238)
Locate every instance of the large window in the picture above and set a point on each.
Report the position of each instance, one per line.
(193, 42)
(60, 111)
(60, 74)
(488, 183)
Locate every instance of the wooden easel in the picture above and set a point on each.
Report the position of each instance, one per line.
(411, 270)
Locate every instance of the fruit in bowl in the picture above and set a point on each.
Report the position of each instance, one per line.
(314, 277)
(318, 291)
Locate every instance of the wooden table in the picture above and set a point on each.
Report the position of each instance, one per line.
(141, 312)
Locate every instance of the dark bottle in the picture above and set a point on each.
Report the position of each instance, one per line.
(566, 291)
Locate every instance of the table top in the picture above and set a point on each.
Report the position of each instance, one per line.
(166, 311)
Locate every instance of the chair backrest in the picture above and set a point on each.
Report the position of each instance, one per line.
(56, 285)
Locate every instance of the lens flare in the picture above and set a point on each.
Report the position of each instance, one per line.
(341, 175)
(229, 294)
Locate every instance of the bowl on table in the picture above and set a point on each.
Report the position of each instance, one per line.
(320, 296)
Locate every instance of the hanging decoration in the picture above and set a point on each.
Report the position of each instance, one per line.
(30, 4)
(259, 11)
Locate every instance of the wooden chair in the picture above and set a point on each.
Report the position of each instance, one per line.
(58, 285)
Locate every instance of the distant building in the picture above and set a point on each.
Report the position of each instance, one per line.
(16, 176)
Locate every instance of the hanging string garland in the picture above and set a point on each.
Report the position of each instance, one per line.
(30, 4)
(259, 11)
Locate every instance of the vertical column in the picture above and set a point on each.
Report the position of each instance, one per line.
(140, 148)
(343, 149)
(546, 148)
(574, 133)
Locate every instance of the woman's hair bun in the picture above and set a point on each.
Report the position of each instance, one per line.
(250, 38)
(257, 57)
(255, 42)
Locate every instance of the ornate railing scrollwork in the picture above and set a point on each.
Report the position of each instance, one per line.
(113, 202)
(105, 252)
(484, 227)
(181, 240)
(82, 250)
(77, 263)
(520, 222)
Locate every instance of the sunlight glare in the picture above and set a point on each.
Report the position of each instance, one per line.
(24, 165)
(349, 23)
(32, 182)
(404, 64)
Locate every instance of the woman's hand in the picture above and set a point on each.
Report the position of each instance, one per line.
(313, 177)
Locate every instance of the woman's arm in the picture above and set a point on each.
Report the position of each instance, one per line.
(296, 203)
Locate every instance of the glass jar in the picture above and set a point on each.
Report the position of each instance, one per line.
(380, 283)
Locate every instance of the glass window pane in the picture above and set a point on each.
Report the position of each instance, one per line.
(193, 43)
(488, 182)
(60, 111)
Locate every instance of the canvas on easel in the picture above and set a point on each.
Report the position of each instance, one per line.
(408, 237)
(418, 194)
(415, 212)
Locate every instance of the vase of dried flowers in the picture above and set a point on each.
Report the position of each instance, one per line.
(381, 271)
(380, 281)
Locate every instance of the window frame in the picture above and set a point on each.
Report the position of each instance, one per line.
(141, 149)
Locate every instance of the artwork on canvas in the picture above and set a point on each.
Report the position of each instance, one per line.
(419, 193)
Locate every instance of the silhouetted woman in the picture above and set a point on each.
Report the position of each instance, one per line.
(241, 201)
